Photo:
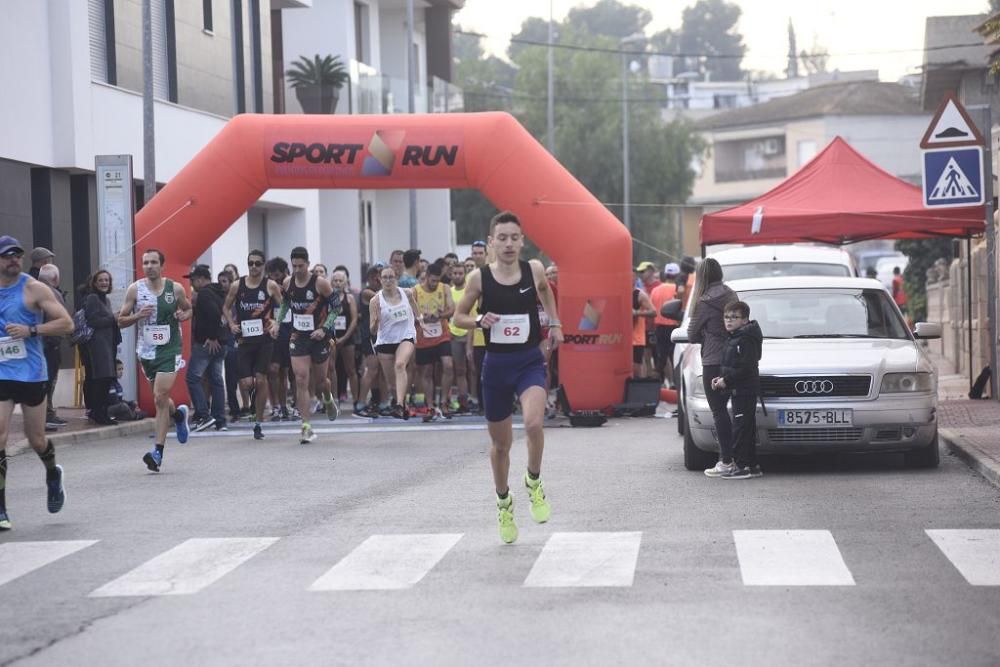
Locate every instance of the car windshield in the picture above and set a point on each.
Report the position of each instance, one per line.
(825, 313)
(772, 269)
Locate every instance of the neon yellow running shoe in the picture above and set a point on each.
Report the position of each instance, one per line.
(540, 508)
(505, 519)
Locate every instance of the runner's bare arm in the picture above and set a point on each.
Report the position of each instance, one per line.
(39, 295)
(449, 306)
(285, 303)
(373, 312)
(548, 301)
(126, 317)
(184, 309)
(473, 290)
(352, 307)
(333, 300)
(645, 306)
(227, 308)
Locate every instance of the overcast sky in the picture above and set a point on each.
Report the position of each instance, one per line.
(859, 34)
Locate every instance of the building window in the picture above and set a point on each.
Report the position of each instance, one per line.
(750, 159)
(206, 14)
(362, 40)
(101, 14)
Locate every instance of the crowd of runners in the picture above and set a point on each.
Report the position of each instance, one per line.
(418, 339)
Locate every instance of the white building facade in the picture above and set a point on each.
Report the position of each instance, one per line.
(72, 74)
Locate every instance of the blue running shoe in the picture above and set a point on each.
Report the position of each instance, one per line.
(181, 419)
(57, 492)
(153, 459)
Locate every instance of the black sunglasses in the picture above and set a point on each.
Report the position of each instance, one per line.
(255, 263)
(12, 254)
(479, 244)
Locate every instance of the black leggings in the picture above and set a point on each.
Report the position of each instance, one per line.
(718, 401)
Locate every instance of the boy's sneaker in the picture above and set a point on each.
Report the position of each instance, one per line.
(258, 432)
(540, 508)
(153, 459)
(400, 412)
(307, 435)
(333, 410)
(57, 492)
(755, 471)
(275, 415)
(5, 523)
(386, 411)
(719, 469)
(221, 426)
(505, 519)
(181, 422)
(738, 472)
(201, 423)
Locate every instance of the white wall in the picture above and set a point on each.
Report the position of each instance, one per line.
(891, 142)
(325, 28)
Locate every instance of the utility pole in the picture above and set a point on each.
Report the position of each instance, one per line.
(626, 194)
(148, 137)
(986, 129)
(411, 95)
(550, 103)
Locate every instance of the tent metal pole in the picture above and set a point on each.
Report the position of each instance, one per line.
(968, 303)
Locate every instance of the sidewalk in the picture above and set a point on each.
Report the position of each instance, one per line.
(78, 429)
(969, 429)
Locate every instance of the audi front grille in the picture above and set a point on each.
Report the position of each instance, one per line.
(814, 386)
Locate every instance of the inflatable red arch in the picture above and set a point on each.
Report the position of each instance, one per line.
(487, 151)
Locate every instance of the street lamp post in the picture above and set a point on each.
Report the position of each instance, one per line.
(626, 185)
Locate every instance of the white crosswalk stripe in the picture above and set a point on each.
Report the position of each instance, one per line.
(187, 568)
(387, 562)
(790, 558)
(975, 553)
(19, 558)
(586, 559)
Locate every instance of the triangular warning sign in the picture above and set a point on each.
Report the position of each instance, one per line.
(953, 184)
(951, 127)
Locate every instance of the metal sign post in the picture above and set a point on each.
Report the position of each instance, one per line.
(115, 233)
(986, 123)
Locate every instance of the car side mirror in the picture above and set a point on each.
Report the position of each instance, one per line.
(673, 310)
(679, 335)
(927, 330)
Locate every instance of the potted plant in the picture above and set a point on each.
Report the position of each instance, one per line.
(317, 82)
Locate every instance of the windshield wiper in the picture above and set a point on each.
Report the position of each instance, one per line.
(835, 336)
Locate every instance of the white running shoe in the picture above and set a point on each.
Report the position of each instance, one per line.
(720, 469)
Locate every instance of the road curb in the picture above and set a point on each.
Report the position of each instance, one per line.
(971, 455)
(144, 426)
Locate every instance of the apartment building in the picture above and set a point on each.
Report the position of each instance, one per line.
(74, 71)
(753, 149)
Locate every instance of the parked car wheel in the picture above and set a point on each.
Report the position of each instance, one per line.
(694, 458)
(927, 457)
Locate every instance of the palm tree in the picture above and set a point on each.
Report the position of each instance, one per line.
(317, 82)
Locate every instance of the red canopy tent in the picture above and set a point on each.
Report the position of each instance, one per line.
(839, 197)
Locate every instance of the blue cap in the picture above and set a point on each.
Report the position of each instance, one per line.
(9, 243)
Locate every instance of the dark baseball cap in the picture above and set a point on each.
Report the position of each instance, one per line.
(200, 271)
(10, 244)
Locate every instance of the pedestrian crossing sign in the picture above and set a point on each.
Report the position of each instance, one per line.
(953, 177)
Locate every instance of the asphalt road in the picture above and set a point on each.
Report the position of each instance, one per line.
(277, 553)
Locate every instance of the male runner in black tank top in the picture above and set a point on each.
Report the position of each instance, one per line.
(254, 297)
(314, 305)
(514, 366)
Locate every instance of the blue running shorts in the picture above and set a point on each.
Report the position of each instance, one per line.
(506, 375)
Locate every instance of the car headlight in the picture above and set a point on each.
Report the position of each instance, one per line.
(699, 387)
(895, 383)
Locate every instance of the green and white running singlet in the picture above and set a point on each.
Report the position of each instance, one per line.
(158, 340)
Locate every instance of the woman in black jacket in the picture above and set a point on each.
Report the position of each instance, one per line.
(100, 352)
(710, 298)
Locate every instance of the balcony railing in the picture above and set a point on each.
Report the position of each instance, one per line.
(730, 175)
(374, 93)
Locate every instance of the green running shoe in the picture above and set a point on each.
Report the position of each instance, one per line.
(307, 435)
(505, 519)
(540, 508)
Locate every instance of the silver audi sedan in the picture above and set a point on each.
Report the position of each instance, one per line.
(840, 371)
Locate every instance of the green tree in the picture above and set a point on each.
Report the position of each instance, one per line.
(922, 254)
(709, 40)
(610, 18)
(588, 111)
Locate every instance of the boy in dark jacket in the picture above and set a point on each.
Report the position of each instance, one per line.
(740, 376)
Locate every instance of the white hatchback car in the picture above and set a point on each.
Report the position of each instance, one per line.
(839, 371)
